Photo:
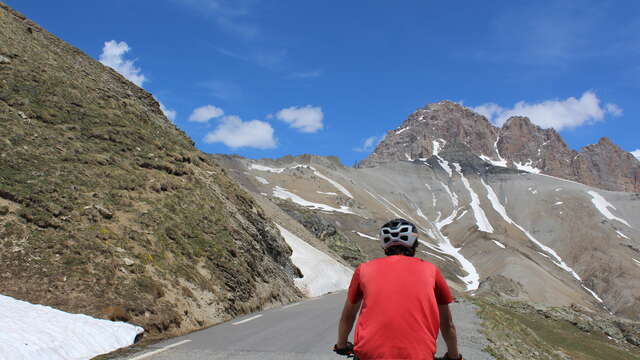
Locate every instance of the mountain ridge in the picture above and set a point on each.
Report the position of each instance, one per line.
(517, 144)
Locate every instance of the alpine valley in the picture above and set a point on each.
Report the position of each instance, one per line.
(108, 209)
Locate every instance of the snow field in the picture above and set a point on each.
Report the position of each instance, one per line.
(29, 331)
(321, 273)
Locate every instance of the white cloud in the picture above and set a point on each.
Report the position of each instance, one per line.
(113, 56)
(488, 110)
(614, 109)
(307, 119)
(205, 113)
(636, 153)
(369, 143)
(558, 114)
(169, 113)
(235, 133)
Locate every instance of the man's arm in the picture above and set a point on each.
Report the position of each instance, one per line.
(348, 317)
(448, 330)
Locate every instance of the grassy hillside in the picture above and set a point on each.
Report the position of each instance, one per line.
(106, 208)
(518, 330)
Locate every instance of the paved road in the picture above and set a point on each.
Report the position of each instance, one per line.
(305, 330)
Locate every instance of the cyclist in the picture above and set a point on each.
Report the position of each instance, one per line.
(405, 300)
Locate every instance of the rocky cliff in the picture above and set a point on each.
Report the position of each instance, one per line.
(518, 144)
(106, 208)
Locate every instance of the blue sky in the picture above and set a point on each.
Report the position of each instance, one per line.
(275, 77)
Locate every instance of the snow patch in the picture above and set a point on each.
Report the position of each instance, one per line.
(262, 180)
(408, 157)
(400, 131)
(437, 146)
(602, 205)
(366, 236)
(593, 293)
(558, 203)
(622, 235)
(266, 168)
(321, 273)
(499, 244)
(445, 165)
(637, 261)
(283, 193)
(327, 193)
(501, 162)
(527, 167)
(481, 218)
(29, 331)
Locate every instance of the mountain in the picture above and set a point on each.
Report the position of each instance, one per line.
(107, 209)
(527, 236)
(519, 144)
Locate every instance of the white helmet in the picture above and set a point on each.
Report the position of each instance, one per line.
(398, 232)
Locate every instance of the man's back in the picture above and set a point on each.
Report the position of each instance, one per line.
(399, 315)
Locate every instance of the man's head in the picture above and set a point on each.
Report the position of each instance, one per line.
(399, 237)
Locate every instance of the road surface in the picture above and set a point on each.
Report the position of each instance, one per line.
(304, 330)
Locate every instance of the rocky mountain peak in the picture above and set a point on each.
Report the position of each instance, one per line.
(518, 144)
(430, 128)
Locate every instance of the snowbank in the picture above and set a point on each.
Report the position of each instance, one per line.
(322, 274)
(29, 331)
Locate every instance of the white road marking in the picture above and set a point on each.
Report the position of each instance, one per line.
(146, 355)
(247, 320)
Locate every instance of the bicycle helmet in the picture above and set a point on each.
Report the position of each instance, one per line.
(398, 232)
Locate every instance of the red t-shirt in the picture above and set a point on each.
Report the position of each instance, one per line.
(399, 317)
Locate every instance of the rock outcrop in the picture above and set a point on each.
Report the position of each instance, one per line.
(518, 144)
